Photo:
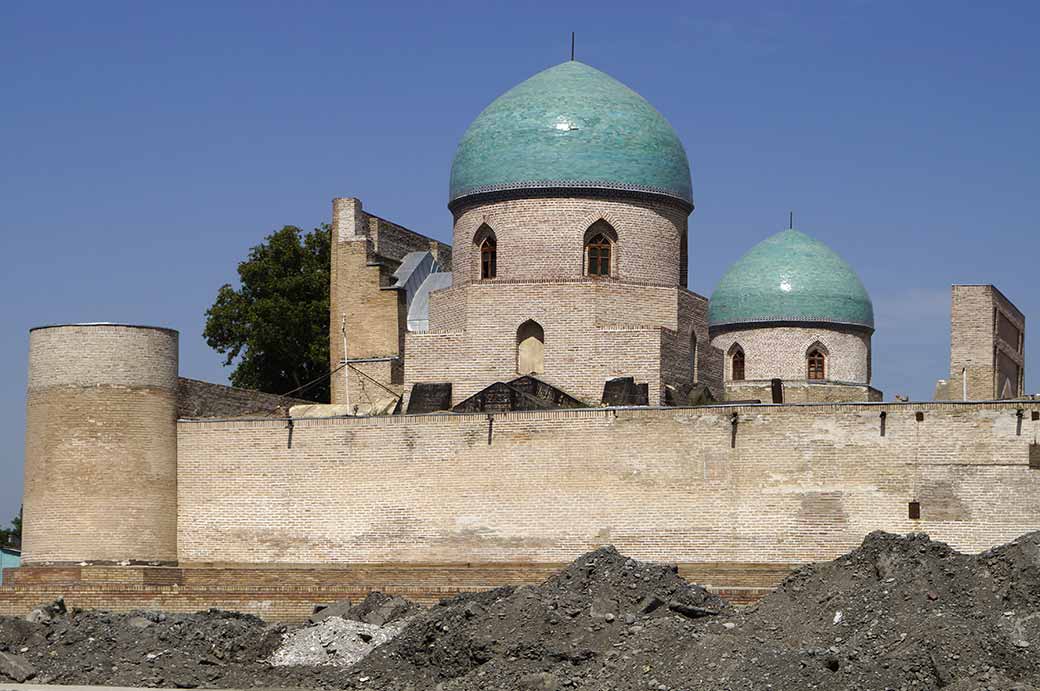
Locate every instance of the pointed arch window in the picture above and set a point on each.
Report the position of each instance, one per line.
(600, 246)
(816, 362)
(487, 242)
(488, 258)
(736, 367)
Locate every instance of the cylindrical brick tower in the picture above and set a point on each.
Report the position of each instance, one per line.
(101, 445)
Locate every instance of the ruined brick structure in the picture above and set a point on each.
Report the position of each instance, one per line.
(566, 281)
(987, 346)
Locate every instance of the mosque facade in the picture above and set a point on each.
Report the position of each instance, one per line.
(571, 198)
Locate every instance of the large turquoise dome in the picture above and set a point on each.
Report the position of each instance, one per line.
(790, 277)
(570, 126)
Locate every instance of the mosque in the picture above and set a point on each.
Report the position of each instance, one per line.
(566, 281)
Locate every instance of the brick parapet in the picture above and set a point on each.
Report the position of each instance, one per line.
(663, 484)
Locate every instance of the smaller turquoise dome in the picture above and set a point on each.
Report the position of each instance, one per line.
(790, 277)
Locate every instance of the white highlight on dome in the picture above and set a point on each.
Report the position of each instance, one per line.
(785, 286)
(565, 125)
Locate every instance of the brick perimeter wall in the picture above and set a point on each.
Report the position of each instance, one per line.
(802, 484)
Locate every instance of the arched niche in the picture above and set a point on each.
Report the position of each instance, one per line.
(530, 348)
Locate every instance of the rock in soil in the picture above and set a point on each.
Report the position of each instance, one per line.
(16, 668)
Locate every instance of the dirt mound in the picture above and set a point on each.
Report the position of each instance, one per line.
(566, 628)
(212, 648)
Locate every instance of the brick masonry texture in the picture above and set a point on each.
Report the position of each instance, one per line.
(289, 593)
(781, 352)
(543, 239)
(802, 392)
(366, 250)
(594, 331)
(100, 446)
(975, 343)
(797, 483)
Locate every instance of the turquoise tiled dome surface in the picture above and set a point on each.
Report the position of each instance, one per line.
(570, 126)
(790, 277)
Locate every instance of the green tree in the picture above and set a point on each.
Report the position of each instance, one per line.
(12, 536)
(276, 324)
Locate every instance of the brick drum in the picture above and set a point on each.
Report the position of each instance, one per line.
(781, 352)
(101, 444)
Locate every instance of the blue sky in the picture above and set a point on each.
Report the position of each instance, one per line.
(146, 146)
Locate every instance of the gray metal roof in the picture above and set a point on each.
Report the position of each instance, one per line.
(419, 309)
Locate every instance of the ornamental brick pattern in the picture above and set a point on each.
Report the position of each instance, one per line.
(781, 352)
(786, 484)
(543, 238)
(100, 444)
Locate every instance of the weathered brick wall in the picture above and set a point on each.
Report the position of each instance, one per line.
(594, 331)
(289, 594)
(543, 238)
(392, 241)
(100, 444)
(202, 399)
(800, 483)
(366, 250)
(781, 351)
(975, 342)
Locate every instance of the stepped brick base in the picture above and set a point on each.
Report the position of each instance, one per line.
(289, 593)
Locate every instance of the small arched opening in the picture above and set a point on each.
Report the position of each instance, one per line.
(487, 244)
(736, 363)
(694, 355)
(600, 250)
(816, 363)
(530, 348)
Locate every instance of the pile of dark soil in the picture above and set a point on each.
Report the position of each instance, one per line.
(896, 613)
(215, 648)
(899, 612)
(564, 633)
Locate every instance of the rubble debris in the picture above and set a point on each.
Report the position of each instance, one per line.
(334, 641)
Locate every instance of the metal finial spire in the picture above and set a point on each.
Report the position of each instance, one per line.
(572, 46)
(790, 221)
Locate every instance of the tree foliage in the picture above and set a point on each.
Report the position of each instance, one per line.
(12, 536)
(275, 326)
